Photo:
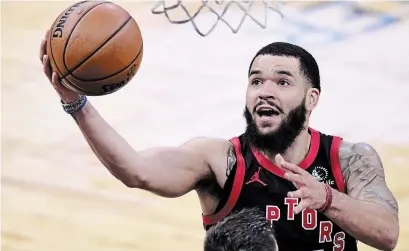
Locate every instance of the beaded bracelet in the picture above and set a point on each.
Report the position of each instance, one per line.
(75, 106)
(328, 199)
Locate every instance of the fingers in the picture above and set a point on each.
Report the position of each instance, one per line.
(300, 193)
(295, 178)
(288, 166)
(55, 81)
(46, 66)
(279, 159)
(66, 94)
(46, 60)
(301, 206)
(43, 49)
(52, 76)
(304, 195)
(43, 46)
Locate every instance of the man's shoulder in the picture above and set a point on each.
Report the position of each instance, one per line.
(213, 150)
(348, 149)
(357, 155)
(220, 156)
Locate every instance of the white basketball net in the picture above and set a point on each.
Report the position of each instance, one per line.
(219, 9)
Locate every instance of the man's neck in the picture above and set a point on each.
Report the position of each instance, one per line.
(298, 150)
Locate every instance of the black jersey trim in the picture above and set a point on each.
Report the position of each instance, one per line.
(235, 191)
(335, 165)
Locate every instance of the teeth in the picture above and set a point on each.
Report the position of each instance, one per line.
(267, 112)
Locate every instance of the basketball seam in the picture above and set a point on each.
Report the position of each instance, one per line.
(69, 37)
(51, 45)
(97, 49)
(92, 94)
(114, 74)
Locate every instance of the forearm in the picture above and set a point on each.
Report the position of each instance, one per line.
(368, 222)
(111, 149)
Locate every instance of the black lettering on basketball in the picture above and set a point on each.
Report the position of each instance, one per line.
(131, 71)
(57, 32)
(113, 87)
(59, 29)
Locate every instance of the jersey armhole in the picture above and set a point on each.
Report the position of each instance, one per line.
(335, 165)
(236, 188)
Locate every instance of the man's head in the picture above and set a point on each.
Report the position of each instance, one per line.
(246, 230)
(283, 89)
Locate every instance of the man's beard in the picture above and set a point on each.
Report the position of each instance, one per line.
(279, 140)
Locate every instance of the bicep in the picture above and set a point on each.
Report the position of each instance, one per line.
(365, 176)
(172, 171)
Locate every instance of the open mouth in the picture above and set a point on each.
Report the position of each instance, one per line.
(267, 111)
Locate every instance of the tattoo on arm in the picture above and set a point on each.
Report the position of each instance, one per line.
(364, 175)
(231, 160)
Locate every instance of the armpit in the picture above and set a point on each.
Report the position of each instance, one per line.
(364, 175)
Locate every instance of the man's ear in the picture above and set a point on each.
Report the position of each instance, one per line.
(312, 97)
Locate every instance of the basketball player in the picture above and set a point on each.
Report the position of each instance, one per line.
(246, 230)
(319, 191)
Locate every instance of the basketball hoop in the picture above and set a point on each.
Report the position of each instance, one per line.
(219, 9)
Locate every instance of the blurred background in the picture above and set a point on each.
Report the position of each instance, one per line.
(57, 196)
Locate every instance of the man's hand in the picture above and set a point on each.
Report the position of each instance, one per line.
(66, 94)
(311, 192)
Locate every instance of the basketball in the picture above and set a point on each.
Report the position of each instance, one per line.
(95, 47)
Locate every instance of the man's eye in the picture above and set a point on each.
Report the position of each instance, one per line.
(257, 82)
(283, 82)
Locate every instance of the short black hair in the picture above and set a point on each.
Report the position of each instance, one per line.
(245, 230)
(308, 65)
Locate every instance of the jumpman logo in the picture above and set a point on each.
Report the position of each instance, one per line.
(256, 177)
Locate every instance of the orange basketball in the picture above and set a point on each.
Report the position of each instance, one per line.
(95, 47)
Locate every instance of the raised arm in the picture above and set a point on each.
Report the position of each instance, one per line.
(369, 211)
(166, 171)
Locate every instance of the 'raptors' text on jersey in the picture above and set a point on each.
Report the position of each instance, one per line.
(257, 182)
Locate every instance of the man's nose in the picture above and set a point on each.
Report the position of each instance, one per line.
(268, 90)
